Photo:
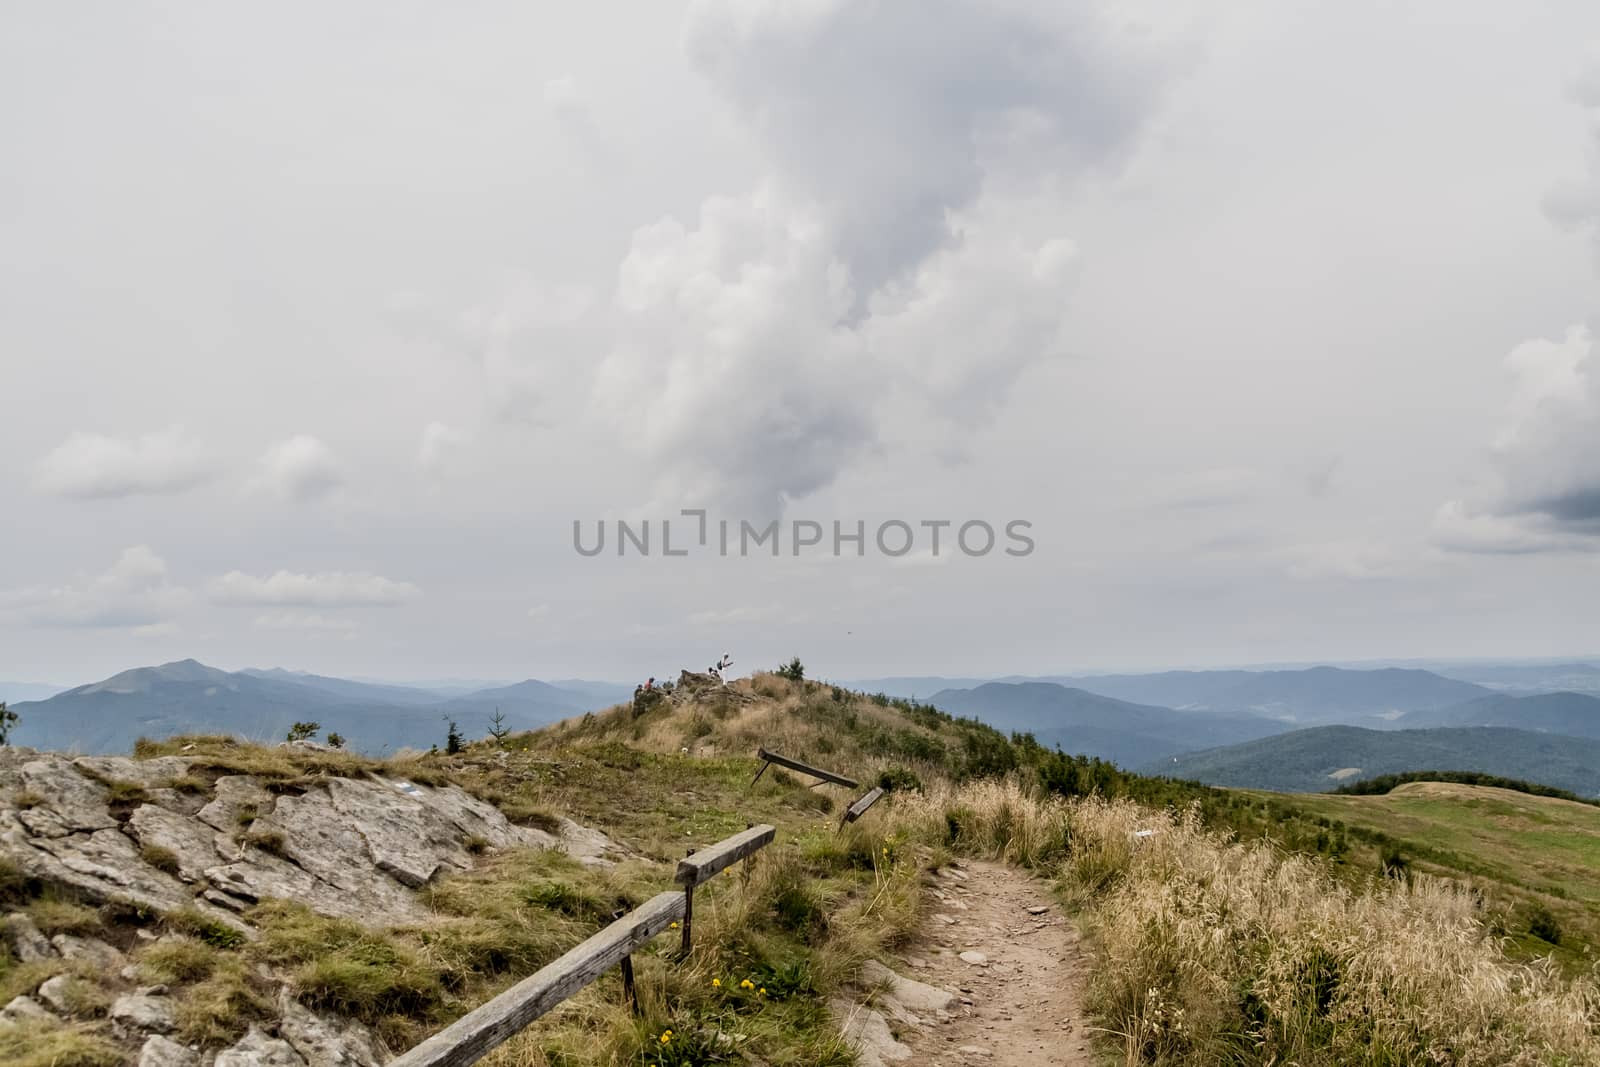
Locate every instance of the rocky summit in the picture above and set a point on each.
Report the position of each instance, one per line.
(177, 835)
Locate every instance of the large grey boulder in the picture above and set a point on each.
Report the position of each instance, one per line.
(66, 801)
(904, 998)
(27, 941)
(869, 1032)
(148, 773)
(57, 992)
(150, 1013)
(233, 794)
(325, 1041)
(161, 1051)
(195, 845)
(91, 950)
(25, 1009)
(256, 1049)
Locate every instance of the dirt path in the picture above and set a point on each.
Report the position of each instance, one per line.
(992, 934)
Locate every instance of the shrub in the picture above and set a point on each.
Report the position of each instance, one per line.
(53, 915)
(199, 925)
(162, 859)
(271, 842)
(900, 779)
(1542, 924)
(794, 670)
(178, 959)
(303, 731)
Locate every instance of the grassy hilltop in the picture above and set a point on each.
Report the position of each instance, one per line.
(1242, 928)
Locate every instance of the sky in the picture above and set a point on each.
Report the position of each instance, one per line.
(1255, 334)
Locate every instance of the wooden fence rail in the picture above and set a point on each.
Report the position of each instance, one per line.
(483, 1029)
(859, 808)
(478, 1032)
(769, 758)
(699, 866)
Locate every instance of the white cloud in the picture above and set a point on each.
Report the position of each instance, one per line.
(325, 590)
(92, 466)
(1349, 560)
(1459, 528)
(438, 441)
(571, 112)
(307, 621)
(889, 115)
(1543, 493)
(901, 263)
(134, 593)
(300, 468)
(1217, 487)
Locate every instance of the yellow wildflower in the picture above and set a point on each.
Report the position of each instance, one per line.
(716, 983)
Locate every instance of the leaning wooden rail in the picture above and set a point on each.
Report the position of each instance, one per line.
(769, 758)
(700, 866)
(859, 808)
(478, 1032)
(481, 1030)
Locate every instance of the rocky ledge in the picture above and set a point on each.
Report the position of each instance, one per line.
(170, 834)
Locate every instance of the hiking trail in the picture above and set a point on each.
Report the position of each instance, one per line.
(992, 937)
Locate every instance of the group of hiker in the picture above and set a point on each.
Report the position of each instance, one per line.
(716, 671)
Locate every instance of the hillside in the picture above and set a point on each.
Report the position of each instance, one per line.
(1315, 694)
(1536, 852)
(297, 903)
(1572, 714)
(1086, 723)
(1528, 678)
(187, 697)
(1309, 695)
(1322, 757)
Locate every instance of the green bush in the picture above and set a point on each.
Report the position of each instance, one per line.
(1542, 924)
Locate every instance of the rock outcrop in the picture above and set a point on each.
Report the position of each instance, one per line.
(168, 835)
(352, 848)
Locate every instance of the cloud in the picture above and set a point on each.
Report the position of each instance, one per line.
(1219, 487)
(901, 262)
(1459, 528)
(1574, 203)
(1543, 490)
(307, 621)
(438, 441)
(134, 593)
(1586, 86)
(732, 372)
(536, 344)
(1348, 560)
(572, 114)
(889, 114)
(92, 466)
(299, 468)
(326, 590)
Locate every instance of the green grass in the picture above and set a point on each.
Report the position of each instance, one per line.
(1522, 851)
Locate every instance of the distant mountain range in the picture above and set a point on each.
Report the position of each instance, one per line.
(1091, 724)
(1324, 757)
(1240, 727)
(190, 697)
(1525, 678)
(1573, 714)
(1310, 695)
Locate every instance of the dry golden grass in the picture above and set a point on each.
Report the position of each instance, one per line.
(1211, 951)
